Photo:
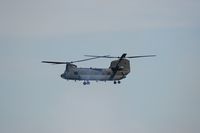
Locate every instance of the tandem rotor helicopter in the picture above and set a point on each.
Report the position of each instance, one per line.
(117, 71)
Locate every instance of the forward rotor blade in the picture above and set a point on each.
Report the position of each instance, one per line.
(141, 56)
(54, 62)
(57, 62)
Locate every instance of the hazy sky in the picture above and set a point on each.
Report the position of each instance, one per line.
(160, 95)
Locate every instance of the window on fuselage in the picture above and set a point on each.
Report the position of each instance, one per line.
(75, 73)
(108, 73)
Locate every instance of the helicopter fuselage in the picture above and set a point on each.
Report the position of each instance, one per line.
(98, 74)
(118, 70)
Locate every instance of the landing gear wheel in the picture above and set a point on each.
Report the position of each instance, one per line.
(88, 82)
(84, 83)
(119, 82)
(115, 82)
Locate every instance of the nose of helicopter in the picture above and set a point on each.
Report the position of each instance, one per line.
(62, 76)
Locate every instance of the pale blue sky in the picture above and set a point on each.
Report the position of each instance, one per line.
(161, 94)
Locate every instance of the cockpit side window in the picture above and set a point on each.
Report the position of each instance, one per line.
(75, 73)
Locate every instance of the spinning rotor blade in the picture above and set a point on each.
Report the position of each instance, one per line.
(57, 62)
(104, 56)
(141, 56)
(123, 56)
(54, 62)
(84, 60)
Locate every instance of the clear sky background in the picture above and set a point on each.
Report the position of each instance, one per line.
(160, 95)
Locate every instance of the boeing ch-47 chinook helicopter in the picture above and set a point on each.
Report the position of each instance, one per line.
(117, 71)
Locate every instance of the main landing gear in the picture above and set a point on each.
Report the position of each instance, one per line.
(86, 83)
(115, 82)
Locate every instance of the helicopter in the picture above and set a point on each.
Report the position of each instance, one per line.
(118, 69)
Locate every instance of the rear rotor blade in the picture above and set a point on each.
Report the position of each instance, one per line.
(105, 56)
(141, 56)
(84, 60)
(123, 56)
(97, 56)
